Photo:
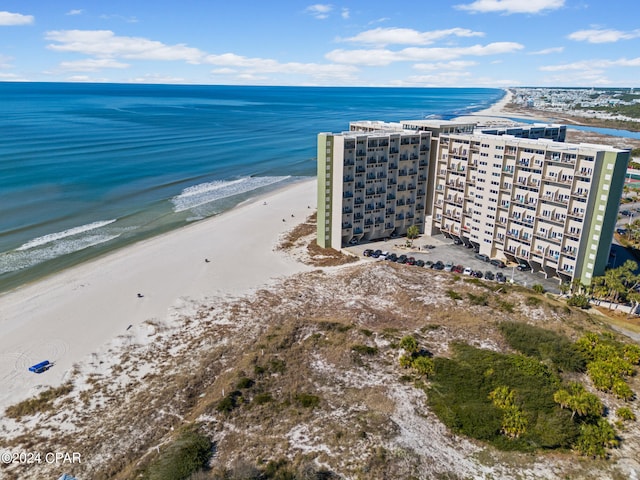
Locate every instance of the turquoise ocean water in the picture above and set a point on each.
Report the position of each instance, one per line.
(88, 168)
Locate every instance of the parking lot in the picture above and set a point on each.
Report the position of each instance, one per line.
(445, 250)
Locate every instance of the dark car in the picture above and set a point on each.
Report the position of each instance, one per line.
(483, 257)
(411, 261)
(498, 263)
(457, 241)
(402, 259)
(367, 252)
(523, 267)
(428, 264)
(458, 269)
(477, 274)
(376, 254)
(489, 275)
(500, 278)
(438, 265)
(392, 257)
(419, 263)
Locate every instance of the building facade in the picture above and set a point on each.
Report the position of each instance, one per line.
(371, 184)
(551, 205)
(517, 194)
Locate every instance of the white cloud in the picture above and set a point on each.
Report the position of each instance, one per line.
(407, 36)
(382, 57)
(104, 43)
(267, 65)
(320, 11)
(91, 65)
(8, 19)
(603, 35)
(548, 51)
(157, 78)
(75, 12)
(345, 13)
(511, 6)
(593, 65)
(439, 66)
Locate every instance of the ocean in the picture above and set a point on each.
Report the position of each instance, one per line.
(89, 168)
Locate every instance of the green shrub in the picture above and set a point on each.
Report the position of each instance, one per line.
(409, 344)
(537, 288)
(533, 301)
(625, 413)
(596, 438)
(228, 403)
(262, 398)
(186, 455)
(459, 395)
(454, 295)
(245, 382)
(543, 344)
(506, 306)
(478, 299)
(423, 365)
(307, 400)
(579, 300)
(364, 349)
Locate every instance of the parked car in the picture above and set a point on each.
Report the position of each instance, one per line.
(458, 269)
(483, 257)
(523, 267)
(448, 266)
(429, 247)
(489, 275)
(367, 252)
(626, 213)
(477, 274)
(438, 265)
(411, 261)
(384, 254)
(500, 278)
(457, 241)
(498, 263)
(428, 264)
(392, 257)
(468, 271)
(402, 259)
(376, 254)
(419, 263)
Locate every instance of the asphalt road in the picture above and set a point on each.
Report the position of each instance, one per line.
(446, 251)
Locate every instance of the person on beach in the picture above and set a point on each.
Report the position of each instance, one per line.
(140, 295)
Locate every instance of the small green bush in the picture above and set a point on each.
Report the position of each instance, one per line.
(307, 400)
(533, 301)
(478, 299)
(453, 295)
(409, 344)
(625, 413)
(262, 398)
(579, 300)
(186, 455)
(364, 349)
(537, 288)
(245, 382)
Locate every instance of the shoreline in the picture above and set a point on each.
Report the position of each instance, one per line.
(70, 315)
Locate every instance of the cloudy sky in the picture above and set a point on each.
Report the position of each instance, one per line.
(492, 43)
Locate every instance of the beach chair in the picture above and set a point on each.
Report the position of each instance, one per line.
(40, 367)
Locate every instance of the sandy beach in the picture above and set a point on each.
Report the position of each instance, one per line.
(71, 315)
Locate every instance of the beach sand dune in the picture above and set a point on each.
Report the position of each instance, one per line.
(68, 316)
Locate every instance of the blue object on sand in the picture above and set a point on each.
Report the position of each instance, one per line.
(40, 367)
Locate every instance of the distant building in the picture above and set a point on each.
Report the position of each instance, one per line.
(516, 193)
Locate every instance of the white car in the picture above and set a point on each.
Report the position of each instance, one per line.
(467, 271)
(448, 267)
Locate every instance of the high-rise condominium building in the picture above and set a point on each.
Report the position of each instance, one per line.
(551, 205)
(371, 185)
(525, 198)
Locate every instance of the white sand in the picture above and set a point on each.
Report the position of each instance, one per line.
(496, 115)
(67, 317)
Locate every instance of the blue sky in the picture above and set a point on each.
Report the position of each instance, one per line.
(466, 43)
